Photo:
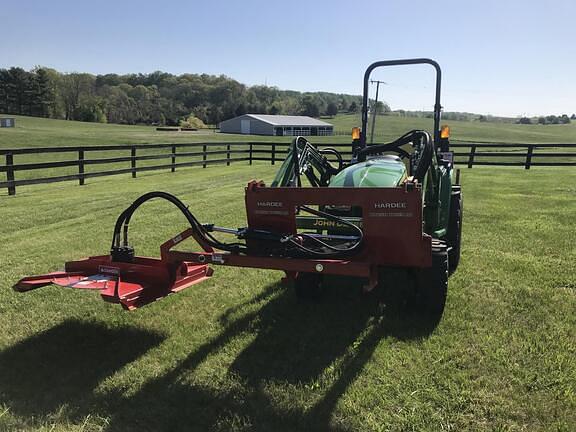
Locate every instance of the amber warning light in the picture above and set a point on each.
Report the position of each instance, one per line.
(355, 133)
(445, 132)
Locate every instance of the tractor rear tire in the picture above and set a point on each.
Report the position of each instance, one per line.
(454, 234)
(308, 286)
(395, 290)
(432, 286)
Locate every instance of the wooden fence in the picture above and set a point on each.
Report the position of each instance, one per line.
(175, 156)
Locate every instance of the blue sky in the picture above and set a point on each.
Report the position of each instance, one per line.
(506, 57)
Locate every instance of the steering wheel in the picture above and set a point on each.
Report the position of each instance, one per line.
(420, 161)
(381, 148)
(393, 147)
(336, 153)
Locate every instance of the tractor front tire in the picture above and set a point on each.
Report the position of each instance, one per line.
(432, 286)
(308, 286)
(454, 234)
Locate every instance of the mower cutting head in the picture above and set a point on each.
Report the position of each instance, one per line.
(132, 284)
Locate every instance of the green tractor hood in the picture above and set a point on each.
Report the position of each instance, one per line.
(383, 171)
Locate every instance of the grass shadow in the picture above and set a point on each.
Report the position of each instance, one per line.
(295, 343)
(62, 366)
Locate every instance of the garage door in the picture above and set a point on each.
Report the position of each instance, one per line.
(245, 127)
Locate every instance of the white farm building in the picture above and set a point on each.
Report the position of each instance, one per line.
(278, 125)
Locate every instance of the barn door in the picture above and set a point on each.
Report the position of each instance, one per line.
(245, 127)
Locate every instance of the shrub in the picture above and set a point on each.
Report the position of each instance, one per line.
(192, 122)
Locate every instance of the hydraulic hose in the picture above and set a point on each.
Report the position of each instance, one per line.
(124, 220)
(293, 240)
(335, 251)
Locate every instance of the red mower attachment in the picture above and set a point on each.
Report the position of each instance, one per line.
(131, 284)
(272, 240)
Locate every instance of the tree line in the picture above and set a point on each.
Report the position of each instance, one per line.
(550, 119)
(156, 98)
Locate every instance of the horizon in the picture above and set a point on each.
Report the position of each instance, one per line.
(509, 61)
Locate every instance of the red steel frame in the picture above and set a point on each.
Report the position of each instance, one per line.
(391, 223)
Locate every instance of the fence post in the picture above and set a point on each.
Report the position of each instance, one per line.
(81, 167)
(529, 156)
(228, 155)
(273, 159)
(204, 155)
(10, 174)
(471, 156)
(250, 154)
(133, 161)
(173, 159)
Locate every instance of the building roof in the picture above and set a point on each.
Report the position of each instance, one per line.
(286, 120)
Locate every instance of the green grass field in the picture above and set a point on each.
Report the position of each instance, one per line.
(239, 352)
(39, 132)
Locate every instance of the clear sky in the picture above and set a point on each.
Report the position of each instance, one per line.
(501, 57)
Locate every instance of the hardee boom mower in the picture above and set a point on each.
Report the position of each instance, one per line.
(391, 216)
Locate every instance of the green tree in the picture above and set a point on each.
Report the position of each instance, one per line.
(214, 115)
(4, 91)
(289, 105)
(44, 93)
(552, 119)
(331, 109)
(91, 109)
(382, 107)
(108, 79)
(240, 109)
(119, 107)
(309, 107)
(72, 88)
(274, 110)
(17, 91)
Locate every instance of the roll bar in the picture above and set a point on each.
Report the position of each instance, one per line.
(384, 63)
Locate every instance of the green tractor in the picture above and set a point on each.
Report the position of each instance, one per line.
(416, 158)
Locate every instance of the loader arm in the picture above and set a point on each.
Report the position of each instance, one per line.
(302, 159)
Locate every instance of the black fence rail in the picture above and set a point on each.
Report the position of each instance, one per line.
(173, 156)
(505, 154)
(169, 156)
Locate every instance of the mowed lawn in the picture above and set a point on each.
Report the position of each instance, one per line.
(40, 132)
(240, 352)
